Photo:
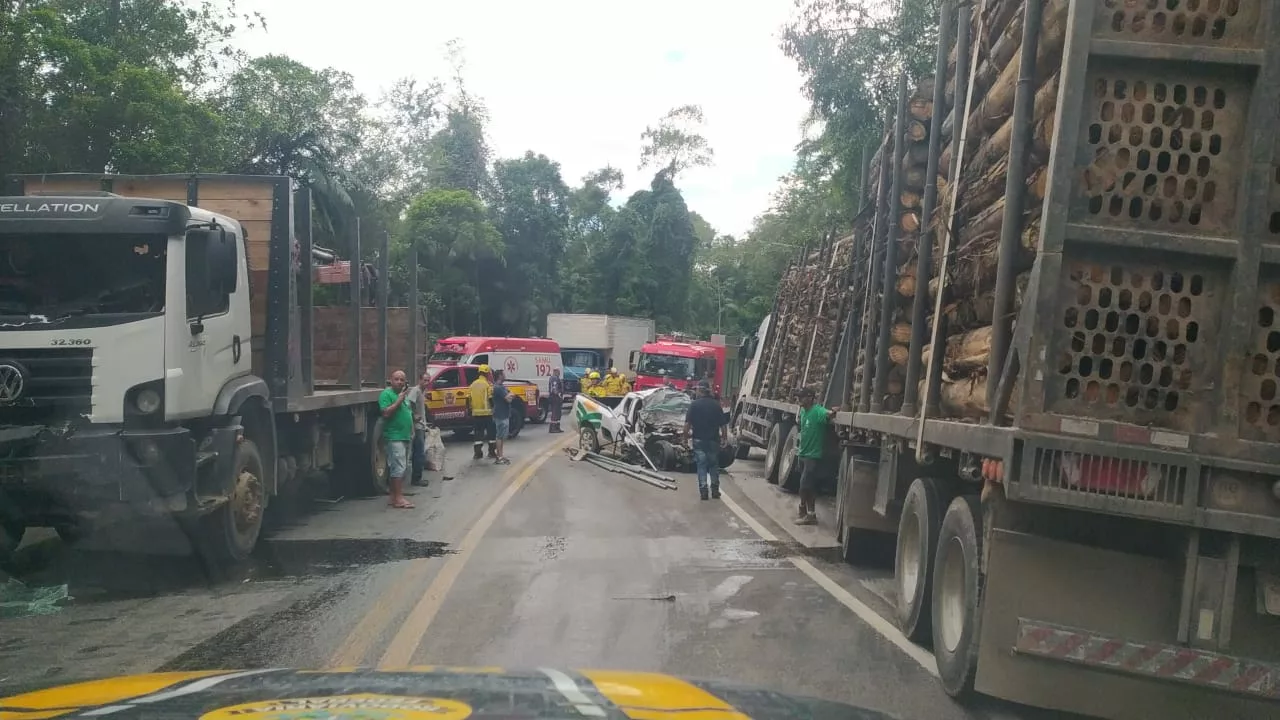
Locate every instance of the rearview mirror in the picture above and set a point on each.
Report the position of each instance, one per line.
(632, 360)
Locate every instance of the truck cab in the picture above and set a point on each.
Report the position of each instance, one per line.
(682, 362)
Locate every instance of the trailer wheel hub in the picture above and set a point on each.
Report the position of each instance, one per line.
(246, 500)
(951, 596)
(909, 558)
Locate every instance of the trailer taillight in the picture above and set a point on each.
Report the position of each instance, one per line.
(1128, 478)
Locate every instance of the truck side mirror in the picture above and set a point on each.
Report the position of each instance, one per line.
(631, 362)
(221, 268)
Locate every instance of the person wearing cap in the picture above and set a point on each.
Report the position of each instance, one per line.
(813, 430)
(705, 426)
(615, 385)
(480, 405)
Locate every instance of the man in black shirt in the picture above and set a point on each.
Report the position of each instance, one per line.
(705, 425)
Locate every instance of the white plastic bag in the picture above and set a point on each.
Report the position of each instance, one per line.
(435, 449)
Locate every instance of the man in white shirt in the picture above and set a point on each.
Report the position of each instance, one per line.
(417, 400)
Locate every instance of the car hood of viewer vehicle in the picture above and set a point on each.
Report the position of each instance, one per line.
(419, 693)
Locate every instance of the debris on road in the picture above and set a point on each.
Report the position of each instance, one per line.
(18, 600)
(613, 465)
(663, 598)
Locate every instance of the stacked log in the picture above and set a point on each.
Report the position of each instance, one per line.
(977, 218)
(813, 298)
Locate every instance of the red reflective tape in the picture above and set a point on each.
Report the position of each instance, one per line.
(1105, 652)
(1180, 660)
(1251, 675)
(1141, 657)
(1210, 672)
(1036, 636)
(1068, 647)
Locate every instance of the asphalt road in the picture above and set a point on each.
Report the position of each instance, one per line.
(545, 562)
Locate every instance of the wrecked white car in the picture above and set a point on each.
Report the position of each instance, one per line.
(653, 419)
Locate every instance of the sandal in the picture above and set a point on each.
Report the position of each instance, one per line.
(402, 505)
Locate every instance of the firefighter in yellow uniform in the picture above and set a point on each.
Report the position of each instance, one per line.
(480, 404)
(596, 389)
(584, 385)
(615, 383)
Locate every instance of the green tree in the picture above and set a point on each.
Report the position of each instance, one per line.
(676, 144)
(531, 211)
(454, 236)
(589, 215)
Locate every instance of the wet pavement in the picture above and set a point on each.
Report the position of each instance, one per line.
(545, 562)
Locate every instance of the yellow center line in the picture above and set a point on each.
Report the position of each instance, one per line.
(356, 645)
(406, 641)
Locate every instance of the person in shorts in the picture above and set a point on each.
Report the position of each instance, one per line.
(397, 433)
(813, 430)
(501, 415)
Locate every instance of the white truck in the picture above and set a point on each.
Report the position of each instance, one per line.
(157, 360)
(596, 342)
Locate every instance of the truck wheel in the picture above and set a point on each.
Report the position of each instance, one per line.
(517, 421)
(789, 465)
(232, 530)
(957, 595)
(773, 451)
(913, 562)
(378, 460)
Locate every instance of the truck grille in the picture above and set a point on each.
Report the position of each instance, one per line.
(59, 382)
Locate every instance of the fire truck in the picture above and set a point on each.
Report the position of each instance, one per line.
(682, 362)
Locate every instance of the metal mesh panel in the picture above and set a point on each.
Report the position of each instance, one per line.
(1215, 23)
(1164, 149)
(1133, 341)
(1260, 385)
(1107, 484)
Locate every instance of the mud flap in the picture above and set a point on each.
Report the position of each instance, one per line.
(1128, 596)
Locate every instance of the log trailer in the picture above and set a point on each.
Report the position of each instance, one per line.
(1054, 341)
(156, 357)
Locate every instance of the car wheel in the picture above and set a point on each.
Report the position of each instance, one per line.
(517, 421)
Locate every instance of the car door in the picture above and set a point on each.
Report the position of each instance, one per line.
(447, 401)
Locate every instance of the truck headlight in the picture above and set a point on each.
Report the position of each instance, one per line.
(147, 401)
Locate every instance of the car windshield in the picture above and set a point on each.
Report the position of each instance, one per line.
(667, 365)
(55, 277)
(444, 357)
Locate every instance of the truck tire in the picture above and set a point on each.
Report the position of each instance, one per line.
(378, 475)
(773, 451)
(789, 463)
(957, 595)
(518, 411)
(918, 528)
(232, 530)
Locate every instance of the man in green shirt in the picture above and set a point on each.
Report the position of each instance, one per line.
(813, 430)
(397, 433)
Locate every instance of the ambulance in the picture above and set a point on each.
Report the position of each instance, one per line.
(527, 359)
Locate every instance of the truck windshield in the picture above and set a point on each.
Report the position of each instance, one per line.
(667, 365)
(52, 278)
(581, 359)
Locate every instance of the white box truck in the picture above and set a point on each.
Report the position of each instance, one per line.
(596, 342)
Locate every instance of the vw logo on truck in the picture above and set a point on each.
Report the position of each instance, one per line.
(12, 383)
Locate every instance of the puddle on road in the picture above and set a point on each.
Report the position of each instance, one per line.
(102, 576)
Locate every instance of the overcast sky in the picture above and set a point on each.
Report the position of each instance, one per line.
(580, 80)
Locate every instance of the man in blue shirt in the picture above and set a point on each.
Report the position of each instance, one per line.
(501, 415)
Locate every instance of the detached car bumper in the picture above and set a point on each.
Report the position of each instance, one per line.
(99, 462)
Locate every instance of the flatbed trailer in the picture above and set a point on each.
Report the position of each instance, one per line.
(207, 393)
(1114, 551)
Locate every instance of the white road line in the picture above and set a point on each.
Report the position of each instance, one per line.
(882, 627)
(573, 693)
